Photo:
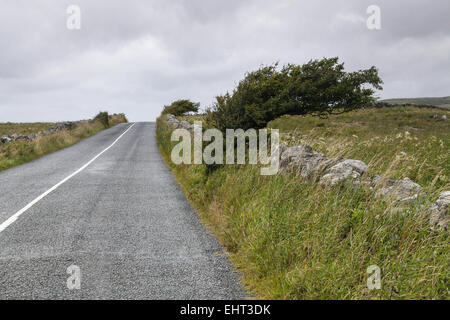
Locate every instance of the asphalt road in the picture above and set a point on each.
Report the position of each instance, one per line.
(123, 221)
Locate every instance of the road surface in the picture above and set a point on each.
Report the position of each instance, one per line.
(121, 225)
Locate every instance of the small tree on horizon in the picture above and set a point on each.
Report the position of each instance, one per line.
(181, 107)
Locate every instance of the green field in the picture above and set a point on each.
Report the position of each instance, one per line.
(443, 102)
(398, 142)
(19, 152)
(292, 239)
(9, 128)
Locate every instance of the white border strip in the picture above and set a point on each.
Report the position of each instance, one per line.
(14, 217)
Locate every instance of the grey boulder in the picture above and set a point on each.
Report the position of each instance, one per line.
(399, 190)
(439, 211)
(6, 139)
(304, 160)
(347, 169)
(186, 125)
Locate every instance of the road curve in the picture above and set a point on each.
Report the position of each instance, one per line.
(123, 221)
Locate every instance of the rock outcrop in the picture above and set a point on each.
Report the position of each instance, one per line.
(170, 118)
(398, 190)
(439, 211)
(347, 169)
(302, 159)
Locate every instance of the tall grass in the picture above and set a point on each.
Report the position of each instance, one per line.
(117, 118)
(292, 239)
(398, 142)
(9, 128)
(19, 152)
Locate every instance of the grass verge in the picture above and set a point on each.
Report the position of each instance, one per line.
(19, 152)
(296, 240)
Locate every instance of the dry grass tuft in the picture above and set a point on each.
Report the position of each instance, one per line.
(19, 152)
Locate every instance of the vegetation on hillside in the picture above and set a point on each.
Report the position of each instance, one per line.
(117, 118)
(19, 152)
(9, 128)
(293, 239)
(103, 118)
(443, 102)
(397, 141)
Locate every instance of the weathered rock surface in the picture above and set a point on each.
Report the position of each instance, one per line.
(186, 125)
(6, 139)
(399, 190)
(304, 160)
(308, 163)
(170, 118)
(439, 211)
(347, 169)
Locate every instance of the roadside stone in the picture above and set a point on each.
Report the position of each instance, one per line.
(68, 125)
(439, 211)
(17, 137)
(186, 125)
(170, 118)
(6, 139)
(402, 190)
(304, 160)
(288, 155)
(347, 169)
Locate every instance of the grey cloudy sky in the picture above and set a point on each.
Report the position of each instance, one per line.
(135, 56)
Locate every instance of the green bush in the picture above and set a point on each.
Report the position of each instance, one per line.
(181, 107)
(103, 118)
(117, 118)
(319, 87)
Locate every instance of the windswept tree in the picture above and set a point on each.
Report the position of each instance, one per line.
(181, 107)
(319, 87)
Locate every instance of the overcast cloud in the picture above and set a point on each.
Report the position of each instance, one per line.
(135, 56)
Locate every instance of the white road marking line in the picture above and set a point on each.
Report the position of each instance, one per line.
(14, 217)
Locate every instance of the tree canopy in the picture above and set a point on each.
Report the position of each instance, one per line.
(181, 107)
(319, 87)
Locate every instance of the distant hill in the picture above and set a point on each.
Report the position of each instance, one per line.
(443, 102)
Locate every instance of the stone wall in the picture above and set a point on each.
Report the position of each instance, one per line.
(68, 125)
(317, 167)
(309, 164)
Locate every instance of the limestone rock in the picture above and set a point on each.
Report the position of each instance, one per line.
(170, 118)
(347, 169)
(439, 211)
(400, 190)
(304, 160)
(6, 139)
(186, 125)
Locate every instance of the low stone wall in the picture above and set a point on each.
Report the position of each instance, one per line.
(306, 162)
(315, 166)
(171, 119)
(68, 125)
